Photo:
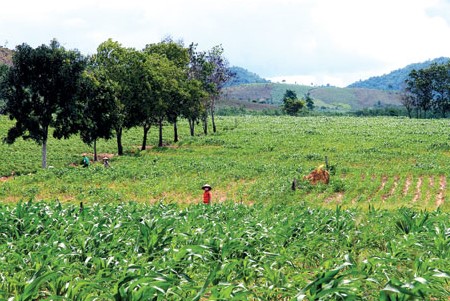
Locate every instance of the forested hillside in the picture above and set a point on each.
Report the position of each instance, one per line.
(395, 79)
(243, 76)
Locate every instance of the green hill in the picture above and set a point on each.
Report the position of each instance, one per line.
(395, 80)
(325, 98)
(243, 76)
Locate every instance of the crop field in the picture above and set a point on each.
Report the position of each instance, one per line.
(379, 230)
(385, 162)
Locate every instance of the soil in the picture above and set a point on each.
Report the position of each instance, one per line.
(442, 186)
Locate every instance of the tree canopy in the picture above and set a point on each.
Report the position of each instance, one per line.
(428, 89)
(41, 92)
(291, 104)
(116, 88)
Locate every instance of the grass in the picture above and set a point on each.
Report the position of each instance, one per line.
(385, 162)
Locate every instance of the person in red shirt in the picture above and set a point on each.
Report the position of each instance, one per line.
(206, 194)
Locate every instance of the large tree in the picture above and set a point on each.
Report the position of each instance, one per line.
(220, 73)
(179, 61)
(198, 86)
(163, 80)
(101, 108)
(440, 74)
(41, 92)
(420, 83)
(119, 65)
(291, 104)
(193, 106)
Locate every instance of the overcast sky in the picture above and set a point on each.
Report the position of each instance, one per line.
(334, 42)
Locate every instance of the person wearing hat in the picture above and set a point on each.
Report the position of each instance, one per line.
(105, 161)
(206, 194)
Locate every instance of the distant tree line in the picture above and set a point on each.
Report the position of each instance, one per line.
(117, 88)
(427, 91)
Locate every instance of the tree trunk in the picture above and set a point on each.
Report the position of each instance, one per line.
(44, 153)
(213, 121)
(144, 140)
(160, 142)
(175, 132)
(409, 111)
(95, 150)
(119, 141)
(192, 127)
(205, 125)
(212, 114)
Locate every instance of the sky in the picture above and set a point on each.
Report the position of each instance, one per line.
(311, 42)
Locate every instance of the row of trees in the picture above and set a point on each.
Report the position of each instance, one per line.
(117, 88)
(428, 90)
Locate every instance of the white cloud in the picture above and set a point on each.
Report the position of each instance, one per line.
(317, 41)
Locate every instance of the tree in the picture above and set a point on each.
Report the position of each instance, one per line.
(101, 107)
(40, 92)
(440, 75)
(179, 57)
(289, 94)
(309, 101)
(3, 75)
(193, 106)
(408, 100)
(219, 75)
(291, 104)
(119, 65)
(198, 85)
(429, 88)
(420, 83)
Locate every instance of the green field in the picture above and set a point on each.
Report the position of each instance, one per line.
(378, 231)
(385, 162)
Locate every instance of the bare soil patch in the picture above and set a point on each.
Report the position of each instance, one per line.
(418, 192)
(407, 185)
(392, 190)
(442, 187)
(337, 198)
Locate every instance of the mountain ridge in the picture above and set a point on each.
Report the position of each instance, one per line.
(395, 79)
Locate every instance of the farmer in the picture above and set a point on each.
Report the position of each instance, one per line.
(206, 194)
(85, 161)
(106, 162)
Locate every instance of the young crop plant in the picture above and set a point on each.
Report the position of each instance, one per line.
(135, 251)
